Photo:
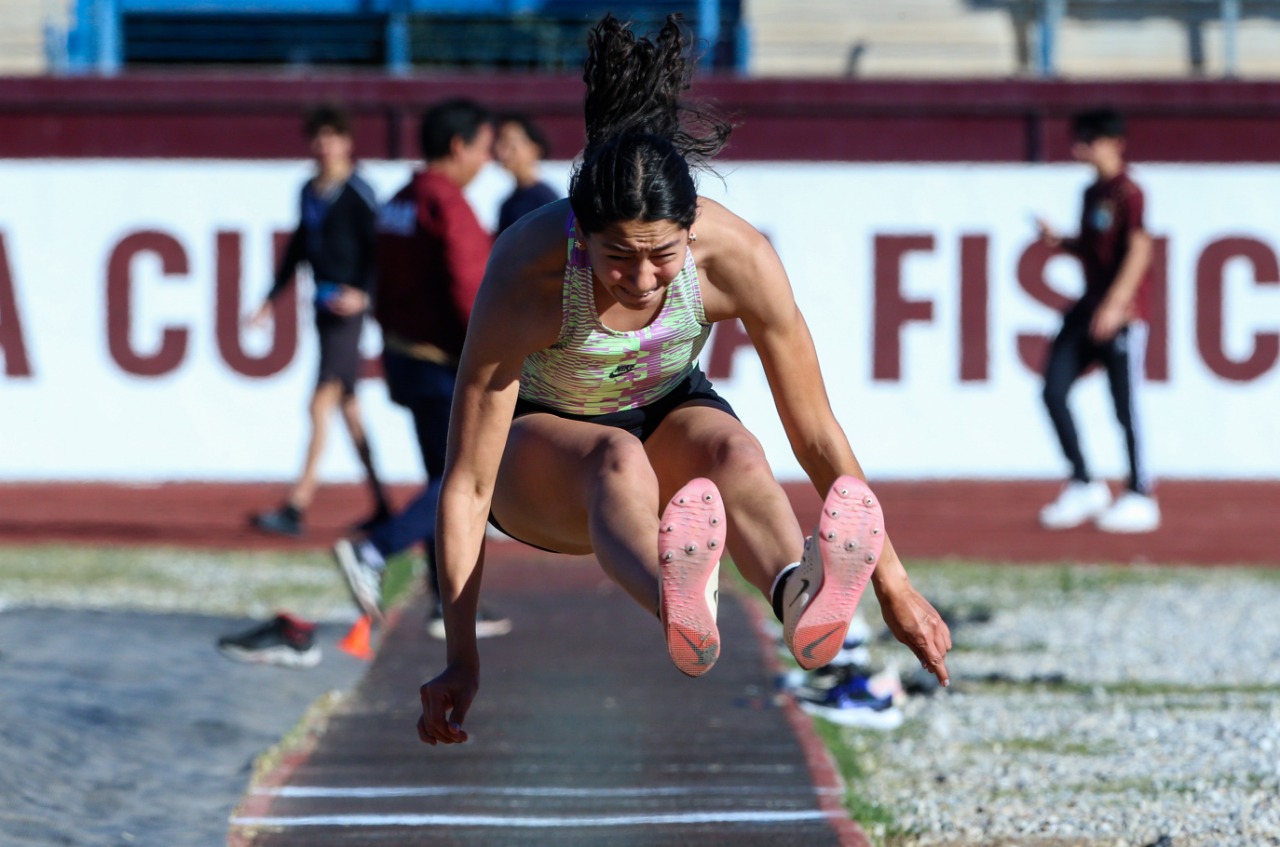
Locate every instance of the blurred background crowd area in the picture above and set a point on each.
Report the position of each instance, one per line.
(1076, 39)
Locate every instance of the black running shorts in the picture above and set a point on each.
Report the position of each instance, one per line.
(339, 349)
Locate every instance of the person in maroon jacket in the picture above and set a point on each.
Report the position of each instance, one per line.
(1105, 326)
(431, 256)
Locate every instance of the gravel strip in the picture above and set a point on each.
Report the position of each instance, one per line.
(1090, 705)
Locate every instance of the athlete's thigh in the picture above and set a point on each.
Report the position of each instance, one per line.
(548, 473)
(698, 439)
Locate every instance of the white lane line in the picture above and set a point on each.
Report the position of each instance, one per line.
(374, 792)
(530, 822)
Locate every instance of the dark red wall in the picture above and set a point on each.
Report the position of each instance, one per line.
(226, 116)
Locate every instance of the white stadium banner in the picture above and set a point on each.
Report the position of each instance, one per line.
(123, 357)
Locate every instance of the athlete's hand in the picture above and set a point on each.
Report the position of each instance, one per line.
(349, 301)
(913, 621)
(445, 701)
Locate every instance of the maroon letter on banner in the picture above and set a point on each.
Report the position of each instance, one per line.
(1157, 294)
(1209, 297)
(12, 344)
(973, 308)
(1032, 349)
(284, 338)
(726, 338)
(173, 341)
(892, 310)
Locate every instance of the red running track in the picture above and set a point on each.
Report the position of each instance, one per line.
(1204, 522)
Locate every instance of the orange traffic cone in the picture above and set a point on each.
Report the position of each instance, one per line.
(356, 641)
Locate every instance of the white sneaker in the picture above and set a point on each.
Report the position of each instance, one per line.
(1078, 503)
(1132, 512)
(363, 577)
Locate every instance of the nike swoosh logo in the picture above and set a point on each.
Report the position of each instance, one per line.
(804, 586)
(706, 655)
(808, 651)
(620, 370)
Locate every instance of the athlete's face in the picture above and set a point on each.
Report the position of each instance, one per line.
(636, 260)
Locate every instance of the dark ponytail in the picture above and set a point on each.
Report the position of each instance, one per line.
(641, 137)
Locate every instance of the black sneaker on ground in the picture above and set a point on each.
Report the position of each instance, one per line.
(287, 520)
(284, 640)
(488, 625)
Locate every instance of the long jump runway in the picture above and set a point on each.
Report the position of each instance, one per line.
(583, 734)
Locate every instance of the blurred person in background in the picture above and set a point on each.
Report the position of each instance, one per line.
(1105, 326)
(520, 146)
(335, 237)
(432, 252)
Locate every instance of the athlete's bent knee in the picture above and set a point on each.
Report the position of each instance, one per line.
(739, 453)
(620, 453)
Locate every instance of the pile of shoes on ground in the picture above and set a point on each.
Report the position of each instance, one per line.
(851, 690)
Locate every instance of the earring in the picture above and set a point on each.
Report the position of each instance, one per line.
(693, 236)
(577, 244)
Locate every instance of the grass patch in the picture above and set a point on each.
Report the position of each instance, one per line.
(1162, 689)
(962, 580)
(999, 649)
(231, 583)
(1009, 687)
(1058, 746)
(874, 818)
(403, 576)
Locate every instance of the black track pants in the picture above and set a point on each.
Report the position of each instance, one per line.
(1073, 351)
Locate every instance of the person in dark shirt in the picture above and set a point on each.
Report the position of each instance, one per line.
(335, 237)
(519, 146)
(1105, 326)
(432, 253)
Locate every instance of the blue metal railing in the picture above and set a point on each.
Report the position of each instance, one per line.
(107, 34)
(97, 41)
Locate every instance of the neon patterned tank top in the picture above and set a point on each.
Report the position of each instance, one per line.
(594, 370)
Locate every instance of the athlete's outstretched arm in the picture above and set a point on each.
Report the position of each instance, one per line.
(745, 279)
(505, 327)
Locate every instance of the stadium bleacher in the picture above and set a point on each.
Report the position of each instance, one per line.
(763, 38)
(22, 35)
(1000, 38)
